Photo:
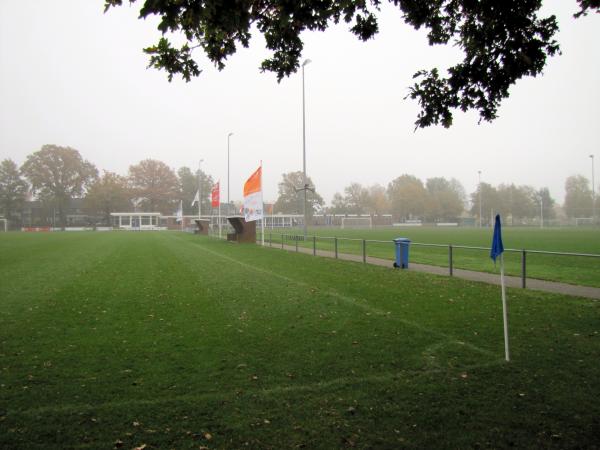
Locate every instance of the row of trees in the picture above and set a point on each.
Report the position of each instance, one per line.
(405, 197)
(439, 199)
(516, 202)
(56, 175)
(523, 202)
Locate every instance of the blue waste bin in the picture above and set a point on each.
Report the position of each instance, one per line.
(402, 246)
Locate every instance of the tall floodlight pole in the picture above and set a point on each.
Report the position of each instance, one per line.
(200, 190)
(541, 211)
(228, 136)
(305, 188)
(480, 206)
(593, 192)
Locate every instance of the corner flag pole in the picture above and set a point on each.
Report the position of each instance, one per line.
(504, 309)
(498, 250)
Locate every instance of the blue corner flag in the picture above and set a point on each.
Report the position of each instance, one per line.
(497, 247)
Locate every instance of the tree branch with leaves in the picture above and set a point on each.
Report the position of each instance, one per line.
(502, 41)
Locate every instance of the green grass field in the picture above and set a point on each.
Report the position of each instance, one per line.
(574, 270)
(170, 340)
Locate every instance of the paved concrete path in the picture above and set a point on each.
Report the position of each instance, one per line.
(484, 277)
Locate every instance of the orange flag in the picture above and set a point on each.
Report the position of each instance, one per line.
(254, 183)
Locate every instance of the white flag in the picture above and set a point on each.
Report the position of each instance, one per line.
(197, 197)
(179, 212)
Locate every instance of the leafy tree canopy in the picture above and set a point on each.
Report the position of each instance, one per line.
(155, 185)
(445, 199)
(377, 201)
(13, 188)
(407, 197)
(58, 174)
(291, 200)
(487, 200)
(188, 182)
(358, 199)
(502, 41)
(338, 204)
(578, 197)
(545, 202)
(109, 193)
(517, 201)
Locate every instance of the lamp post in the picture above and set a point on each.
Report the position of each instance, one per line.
(305, 187)
(480, 206)
(228, 136)
(200, 190)
(593, 192)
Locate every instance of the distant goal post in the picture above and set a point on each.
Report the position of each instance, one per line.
(3, 224)
(584, 221)
(357, 222)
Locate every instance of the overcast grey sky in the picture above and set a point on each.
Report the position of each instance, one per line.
(73, 76)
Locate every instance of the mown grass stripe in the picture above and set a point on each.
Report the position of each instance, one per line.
(347, 299)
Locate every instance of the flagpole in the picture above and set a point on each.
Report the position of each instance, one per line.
(504, 309)
(219, 194)
(200, 190)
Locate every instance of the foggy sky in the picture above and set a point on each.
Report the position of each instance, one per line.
(73, 76)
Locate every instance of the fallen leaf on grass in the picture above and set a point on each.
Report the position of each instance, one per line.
(349, 442)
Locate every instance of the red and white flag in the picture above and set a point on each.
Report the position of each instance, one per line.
(215, 196)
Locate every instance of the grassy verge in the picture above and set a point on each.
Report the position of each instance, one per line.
(575, 270)
(177, 341)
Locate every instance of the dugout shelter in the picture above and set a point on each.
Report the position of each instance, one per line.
(202, 226)
(244, 232)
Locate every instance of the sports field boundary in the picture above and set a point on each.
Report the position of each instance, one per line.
(471, 275)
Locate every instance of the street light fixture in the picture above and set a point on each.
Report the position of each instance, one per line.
(305, 187)
(228, 136)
